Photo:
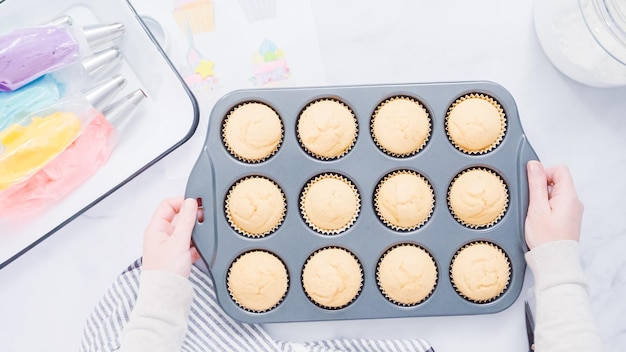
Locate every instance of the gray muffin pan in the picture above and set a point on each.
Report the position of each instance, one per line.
(216, 170)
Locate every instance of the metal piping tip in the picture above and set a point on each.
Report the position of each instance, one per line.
(101, 61)
(102, 33)
(64, 20)
(123, 108)
(103, 92)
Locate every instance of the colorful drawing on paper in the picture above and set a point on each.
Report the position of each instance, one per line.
(199, 73)
(196, 16)
(269, 66)
(258, 10)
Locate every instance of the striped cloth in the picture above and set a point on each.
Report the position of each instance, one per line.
(209, 328)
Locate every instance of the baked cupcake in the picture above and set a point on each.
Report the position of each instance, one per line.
(332, 277)
(475, 123)
(327, 129)
(406, 274)
(400, 126)
(478, 197)
(255, 206)
(480, 272)
(257, 281)
(404, 200)
(252, 132)
(330, 203)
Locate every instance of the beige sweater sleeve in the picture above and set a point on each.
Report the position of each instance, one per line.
(563, 319)
(158, 321)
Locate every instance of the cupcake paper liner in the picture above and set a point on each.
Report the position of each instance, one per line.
(356, 294)
(503, 124)
(377, 204)
(381, 146)
(382, 290)
(240, 157)
(508, 279)
(323, 157)
(241, 305)
(496, 219)
(307, 219)
(238, 228)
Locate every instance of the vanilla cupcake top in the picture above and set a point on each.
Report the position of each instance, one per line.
(252, 132)
(400, 126)
(475, 123)
(255, 206)
(257, 281)
(404, 200)
(327, 129)
(407, 274)
(330, 203)
(478, 197)
(332, 277)
(480, 272)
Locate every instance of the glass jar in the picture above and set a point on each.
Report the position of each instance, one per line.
(584, 39)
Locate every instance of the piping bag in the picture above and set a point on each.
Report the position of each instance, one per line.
(27, 146)
(51, 87)
(28, 53)
(74, 166)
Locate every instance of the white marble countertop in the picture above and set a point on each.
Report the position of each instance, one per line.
(47, 293)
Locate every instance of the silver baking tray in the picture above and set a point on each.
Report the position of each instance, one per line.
(291, 167)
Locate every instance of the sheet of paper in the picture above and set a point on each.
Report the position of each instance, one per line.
(222, 45)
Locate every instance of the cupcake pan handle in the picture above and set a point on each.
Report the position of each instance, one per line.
(525, 153)
(205, 232)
